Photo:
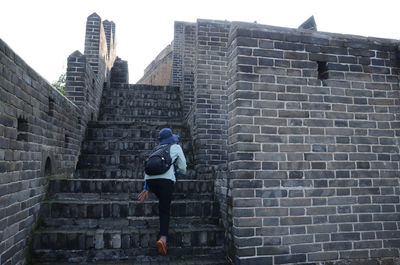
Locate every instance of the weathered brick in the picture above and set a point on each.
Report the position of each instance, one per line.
(272, 231)
(353, 254)
(306, 248)
(323, 256)
(290, 259)
(337, 246)
(248, 42)
(273, 250)
(267, 53)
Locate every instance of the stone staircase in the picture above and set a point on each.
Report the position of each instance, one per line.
(96, 217)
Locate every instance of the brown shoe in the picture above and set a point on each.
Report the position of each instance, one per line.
(162, 247)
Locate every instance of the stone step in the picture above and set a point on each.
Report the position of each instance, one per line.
(97, 147)
(136, 99)
(108, 161)
(125, 196)
(120, 223)
(175, 256)
(116, 244)
(133, 172)
(102, 161)
(96, 172)
(216, 259)
(142, 89)
(120, 209)
(137, 125)
(154, 113)
(124, 146)
(126, 106)
(162, 93)
(133, 132)
(141, 100)
(139, 119)
(126, 238)
(103, 187)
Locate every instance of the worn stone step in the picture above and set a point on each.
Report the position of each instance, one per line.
(141, 88)
(121, 209)
(142, 118)
(120, 223)
(142, 112)
(118, 159)
(125, 196)
(123, 186)
(116, 172)
(138, 101)
(134, 171)
(163, 94)
(126, 238)
(132, 131)
(122, 132)
(215, 259)
(102, 161)
(175, 124)
(123, 148)
(136, 256)
(131, 106)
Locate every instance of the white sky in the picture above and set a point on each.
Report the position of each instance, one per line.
(45, 32)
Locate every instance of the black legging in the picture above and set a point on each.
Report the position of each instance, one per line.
(163, 189)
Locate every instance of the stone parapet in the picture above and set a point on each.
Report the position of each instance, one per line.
(313, 146)
(40, 134)
(41, 130)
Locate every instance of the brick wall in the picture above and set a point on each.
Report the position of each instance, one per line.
(158, 72)
(39, 136)
(41, 133)
(184, 56)
(200, 70)
(176, 72)
(210, 108)
(99, 56)
(313, 146)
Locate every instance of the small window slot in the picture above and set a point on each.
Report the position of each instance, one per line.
(22, 129)
(51, 107)
(66, 141)
(322, 70)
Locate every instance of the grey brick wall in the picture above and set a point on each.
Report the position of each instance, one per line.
(37, 124)
(178, 46)
(313, 146)
(41, 132)
(184, 58)
(210, 108)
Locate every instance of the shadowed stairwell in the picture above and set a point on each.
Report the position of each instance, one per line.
(96, 216)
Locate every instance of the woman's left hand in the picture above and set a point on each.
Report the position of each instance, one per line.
(143, 195)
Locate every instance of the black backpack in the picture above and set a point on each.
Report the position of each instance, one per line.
(159, 161)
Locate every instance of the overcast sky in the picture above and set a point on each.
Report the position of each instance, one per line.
(45, 32)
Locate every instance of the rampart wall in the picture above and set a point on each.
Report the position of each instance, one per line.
(200, 69)
(304, 128)
(158, 72)
(41, 131)
(313, 146)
